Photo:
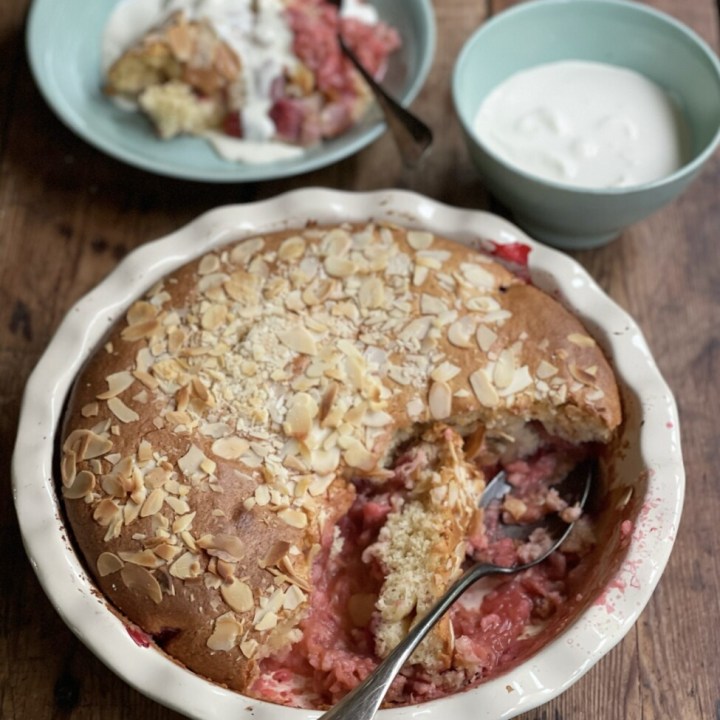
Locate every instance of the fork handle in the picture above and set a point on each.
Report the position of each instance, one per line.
(363, 702)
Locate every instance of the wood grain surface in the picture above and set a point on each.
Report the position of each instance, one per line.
(68, 214)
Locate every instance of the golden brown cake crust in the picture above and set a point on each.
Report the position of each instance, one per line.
(209, 442)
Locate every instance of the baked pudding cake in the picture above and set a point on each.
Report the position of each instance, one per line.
(257, 71)
(272, 465)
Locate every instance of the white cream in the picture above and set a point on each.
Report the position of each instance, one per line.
(585, 124)
(263, 41)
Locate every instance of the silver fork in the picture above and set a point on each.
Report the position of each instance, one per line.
(412, 136)
(363, 702)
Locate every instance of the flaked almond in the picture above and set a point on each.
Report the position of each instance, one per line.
(504, 369)
(249, 647)
(68, 468)
(182, 523)
(226, 630)
(268, 621)
(432, 305)
(444, 371)
(460, 332)
(484, 390)
(327, 401)
(108, 563)
(140, 312)
(230, 448)
(419, 240)
(87, 444)
(222, 545)
(121, 411)
(90, 410)
(243, 252)
(440, 400)
(300, 415)
(581, 340)
(520, 381)
(83, 484)
(356, 455)
(153, 503)
(208, 264)
(144, 558)
(187, 566)
(485, 337)
(325, 461)
(337, 242)
(420, 275)
(545, 370)
(117, 383)
(140, 331)
(477, 276)
(214, 317)
(293, 518)
(191, 462)
(299, 340)
(293, 248)
(372, 293)
(140, 580)
(294, 597)
(238, 595)
(106, 511)
(340, 267)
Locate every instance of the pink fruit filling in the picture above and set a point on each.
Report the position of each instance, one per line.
(496, 624)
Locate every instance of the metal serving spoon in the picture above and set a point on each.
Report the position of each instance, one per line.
(363, 702)
(412, 136)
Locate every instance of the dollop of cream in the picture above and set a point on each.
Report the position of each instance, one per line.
(585, 124)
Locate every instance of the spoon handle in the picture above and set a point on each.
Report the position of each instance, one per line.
(412, 136)
(363, 702)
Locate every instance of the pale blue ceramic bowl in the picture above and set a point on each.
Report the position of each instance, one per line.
(612, 31)
(64, 50)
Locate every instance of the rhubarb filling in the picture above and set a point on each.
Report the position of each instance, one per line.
(402, 542)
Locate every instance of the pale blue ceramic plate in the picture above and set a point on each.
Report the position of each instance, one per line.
(64, 46)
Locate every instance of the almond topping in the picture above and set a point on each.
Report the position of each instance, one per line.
(460, 332)
(299, 340)
(485, 338)
(117, 383)
(581, 340)
(292, 249)
(293, 518)
(225, 633)
(336, 266)
(238, 595)
(82, 485)
(483, 389)
(440, 400)
(504, 369)
(144, 558)
(186, 566)
(108, 563)
(545, 370)
(230, 448)
(419, 240)
(121, 411)
(140, 580)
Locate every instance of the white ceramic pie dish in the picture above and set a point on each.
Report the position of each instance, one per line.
(646, 474)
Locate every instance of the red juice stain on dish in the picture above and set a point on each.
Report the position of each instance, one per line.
(140, 638)
(514, 252)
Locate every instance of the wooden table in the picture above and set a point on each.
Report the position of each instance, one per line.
(67, 216)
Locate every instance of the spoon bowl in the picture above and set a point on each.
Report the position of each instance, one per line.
(363, 702)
